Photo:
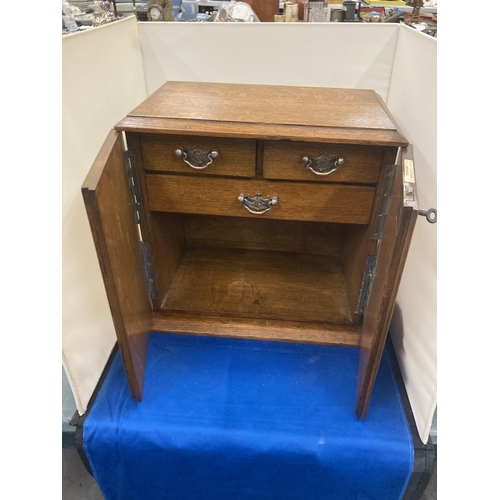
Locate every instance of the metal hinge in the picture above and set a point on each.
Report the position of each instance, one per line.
(366, 284)
(384, 201)
(148, 269)
(135, 187)
(137, 202)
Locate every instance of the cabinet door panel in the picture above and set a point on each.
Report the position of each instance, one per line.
(111, 215)
(391, 256)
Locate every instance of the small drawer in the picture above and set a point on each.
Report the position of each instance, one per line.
(238, 198)
(198, 155)
(310, 161)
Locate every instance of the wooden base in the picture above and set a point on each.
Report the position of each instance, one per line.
(258, 329)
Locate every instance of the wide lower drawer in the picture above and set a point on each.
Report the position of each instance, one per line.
(311, 161)
(198, 155)
(295, 201)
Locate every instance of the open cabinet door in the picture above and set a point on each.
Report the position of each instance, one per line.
(393, 232)
(110, 211)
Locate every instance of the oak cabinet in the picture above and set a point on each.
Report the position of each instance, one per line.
(253, 211)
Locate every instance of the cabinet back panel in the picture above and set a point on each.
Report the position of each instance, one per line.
(266, 234)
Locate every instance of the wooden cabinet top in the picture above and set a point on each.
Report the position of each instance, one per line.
(345, 116)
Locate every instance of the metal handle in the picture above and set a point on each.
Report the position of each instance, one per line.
(257, 205)
(200, 159)
(322, 165)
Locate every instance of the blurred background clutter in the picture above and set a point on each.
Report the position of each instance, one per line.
(79, 15)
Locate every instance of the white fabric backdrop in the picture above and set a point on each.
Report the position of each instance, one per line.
(317, 55)
(102, 79)
(413, 103)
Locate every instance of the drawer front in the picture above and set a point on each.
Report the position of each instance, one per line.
(285, 160)
(190, 155)
(295, 201)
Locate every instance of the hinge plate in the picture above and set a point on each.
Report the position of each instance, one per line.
(384, 201)
(366, 284)
(148, 269)
(135, 187)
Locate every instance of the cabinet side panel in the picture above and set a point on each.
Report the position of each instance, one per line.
(391, 257)
(167, 244)
(110, 212)
(164, 231)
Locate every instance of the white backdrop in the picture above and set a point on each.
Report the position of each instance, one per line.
(413, 103)
(317, 55)
(379, 57)
(102, 79)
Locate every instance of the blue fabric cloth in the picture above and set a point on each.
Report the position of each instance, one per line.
(232, 419)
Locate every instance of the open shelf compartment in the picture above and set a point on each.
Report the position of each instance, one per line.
(259, 284)
(228, 275)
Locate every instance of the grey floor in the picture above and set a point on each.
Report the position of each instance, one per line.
(78, 484)
(430, 492)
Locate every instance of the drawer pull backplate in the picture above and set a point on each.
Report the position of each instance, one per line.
(197, 158)
(322, 165)
(257, 205)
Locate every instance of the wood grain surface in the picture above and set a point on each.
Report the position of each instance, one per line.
(110, 211)
(274, 285)
(283, 160)
(296, 201)
(259, 329)
(264, 234)
(391, 257)
(269, 104)
(337, 135)
(167, 244)
(236, 157)
(352, 116)
(359, 244)
(291, 274)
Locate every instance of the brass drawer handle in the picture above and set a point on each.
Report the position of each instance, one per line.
(322, 165)
(197, 159)
(257, 205)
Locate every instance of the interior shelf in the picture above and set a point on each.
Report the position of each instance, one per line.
(259, 284)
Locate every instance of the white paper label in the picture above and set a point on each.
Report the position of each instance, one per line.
(409, 172)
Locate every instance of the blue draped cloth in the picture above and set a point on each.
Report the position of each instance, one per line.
(232, 419)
